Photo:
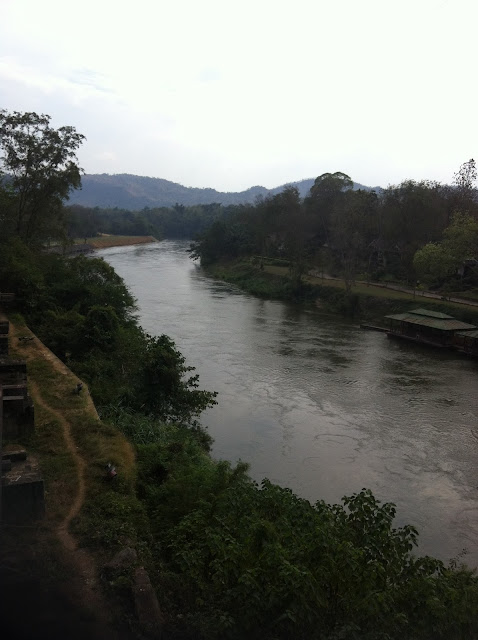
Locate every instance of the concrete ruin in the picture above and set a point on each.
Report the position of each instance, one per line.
(23, 496)
(18, 410)
(22, 490)
(4, 326)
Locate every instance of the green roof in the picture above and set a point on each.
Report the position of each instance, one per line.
(431, 319)
(431, 314)
(468, 334)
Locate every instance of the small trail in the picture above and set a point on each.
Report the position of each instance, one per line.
(63, 529)
(416, 293)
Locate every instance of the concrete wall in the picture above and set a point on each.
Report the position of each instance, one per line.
(23, 501)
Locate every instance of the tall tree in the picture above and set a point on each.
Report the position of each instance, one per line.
(464, 181)
(293, 230)
(354, 225)
(40, 167)
(414, 213)
(324, 194)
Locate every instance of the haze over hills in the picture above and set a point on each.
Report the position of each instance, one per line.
(127, 191)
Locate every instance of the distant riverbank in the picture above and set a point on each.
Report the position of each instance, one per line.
(104, 241)
(364, 302)
(89, 245)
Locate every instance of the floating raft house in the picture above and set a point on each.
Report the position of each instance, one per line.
(433, 328)
(467, 341)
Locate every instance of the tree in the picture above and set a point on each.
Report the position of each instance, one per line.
(464, 181)
(165, 387)
(330, 184)
(353, 227)
(324, 194)
(82, 222)
(461, 237)
(291, 231)
(434, 263)
(41, 168)
(414, 213)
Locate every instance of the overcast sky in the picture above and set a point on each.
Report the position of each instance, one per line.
(230, 94)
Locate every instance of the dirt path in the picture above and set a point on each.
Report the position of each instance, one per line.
(417, 293)
(63, 530)
(84, 581)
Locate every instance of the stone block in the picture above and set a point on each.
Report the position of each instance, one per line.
(3, 346)
(147, 605)
(23, 493)
(18, 417)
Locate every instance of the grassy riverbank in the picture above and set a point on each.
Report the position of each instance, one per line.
(364, 302)
(105, 241)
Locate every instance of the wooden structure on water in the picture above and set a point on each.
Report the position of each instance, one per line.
(435, 329)
(374, 327)
(467, 342)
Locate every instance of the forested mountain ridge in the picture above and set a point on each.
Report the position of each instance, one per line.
(132, 192)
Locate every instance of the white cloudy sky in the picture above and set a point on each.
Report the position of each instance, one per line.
(229, 94)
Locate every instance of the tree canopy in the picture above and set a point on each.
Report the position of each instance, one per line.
(350, 233)
(40, 168)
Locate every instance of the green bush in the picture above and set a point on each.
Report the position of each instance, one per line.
(242, 560)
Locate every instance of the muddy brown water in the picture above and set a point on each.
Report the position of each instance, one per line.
(316, 404)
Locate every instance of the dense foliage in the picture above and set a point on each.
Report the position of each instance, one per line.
(414, 231)
(236, 559)
(82, 310)
(172, 222)
(41, 168)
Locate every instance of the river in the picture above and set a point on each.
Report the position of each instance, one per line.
(314, 403)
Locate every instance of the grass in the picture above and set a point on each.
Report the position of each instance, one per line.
(111, 515)
(471, 295)
(105, 241)
(366, 303)
(368, 290)
(48, 445)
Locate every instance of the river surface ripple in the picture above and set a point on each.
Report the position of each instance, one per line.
(314, 403)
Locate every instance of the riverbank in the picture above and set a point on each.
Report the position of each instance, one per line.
(106, 241)
(365, 302)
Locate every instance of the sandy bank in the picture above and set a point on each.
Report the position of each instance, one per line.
(105, 241)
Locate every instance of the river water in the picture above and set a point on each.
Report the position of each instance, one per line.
(316, 404)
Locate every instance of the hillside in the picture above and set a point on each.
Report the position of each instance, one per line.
(127, 191)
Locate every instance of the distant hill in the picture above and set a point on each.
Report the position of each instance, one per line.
(127, 191)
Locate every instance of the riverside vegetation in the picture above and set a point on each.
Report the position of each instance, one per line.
(229, 558)
(416, 233)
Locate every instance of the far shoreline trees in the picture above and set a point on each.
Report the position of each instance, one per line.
(414, 230)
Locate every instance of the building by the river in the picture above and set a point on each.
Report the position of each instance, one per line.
(434, 328)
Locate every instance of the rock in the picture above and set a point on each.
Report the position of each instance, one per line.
(146, 604)
(124, 559)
